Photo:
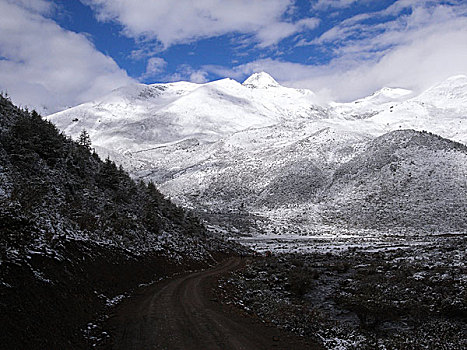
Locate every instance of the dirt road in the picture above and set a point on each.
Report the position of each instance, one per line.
(182, 313)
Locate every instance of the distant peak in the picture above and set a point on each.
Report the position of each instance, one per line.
(392, 92)
(260, 80)
(457, 77)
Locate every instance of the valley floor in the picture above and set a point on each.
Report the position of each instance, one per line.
(372, 295)
(385, 295)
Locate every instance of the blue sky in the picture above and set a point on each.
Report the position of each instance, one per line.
(55, 54)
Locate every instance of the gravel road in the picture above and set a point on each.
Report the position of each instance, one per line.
(182, 313)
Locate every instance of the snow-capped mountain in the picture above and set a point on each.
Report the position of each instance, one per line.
(143, 116)
(271, 155)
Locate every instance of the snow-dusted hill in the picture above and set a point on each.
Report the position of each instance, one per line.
(271, 156)
(403, 179)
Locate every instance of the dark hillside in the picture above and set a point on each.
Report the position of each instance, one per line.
(75, 232)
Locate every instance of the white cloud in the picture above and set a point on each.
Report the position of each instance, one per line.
(413, 51)
(185, 21)
(44, 66)
(271, 34)
(154, 67)
(328, 4)
(40, 6)
(198, 76)
(187, 73)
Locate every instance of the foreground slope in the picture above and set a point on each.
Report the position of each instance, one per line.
(76, 232)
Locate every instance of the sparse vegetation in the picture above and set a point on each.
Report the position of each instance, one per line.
(412, 298)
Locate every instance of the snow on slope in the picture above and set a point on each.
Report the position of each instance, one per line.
(451, 93)
(258, 147)
(442, 110)
(140, 117)
(404, 179)
(378, 101)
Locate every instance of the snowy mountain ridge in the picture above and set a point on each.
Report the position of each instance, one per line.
(273, 152)
(185, 110)
(161, 113)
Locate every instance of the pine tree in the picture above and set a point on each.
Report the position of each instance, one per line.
(84, 139)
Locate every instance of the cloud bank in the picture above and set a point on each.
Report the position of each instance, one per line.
(183, 21)
(45, 67)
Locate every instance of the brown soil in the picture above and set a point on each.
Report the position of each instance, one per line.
(52, 312)
(183, 313)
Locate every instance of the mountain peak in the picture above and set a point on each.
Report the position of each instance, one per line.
(260, 80)
(392, 93)
(459, 77)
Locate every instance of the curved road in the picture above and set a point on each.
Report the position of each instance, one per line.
(181, 314)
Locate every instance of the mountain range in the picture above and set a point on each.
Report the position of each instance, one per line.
(259, 157)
